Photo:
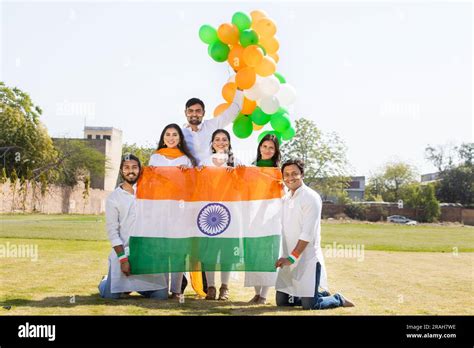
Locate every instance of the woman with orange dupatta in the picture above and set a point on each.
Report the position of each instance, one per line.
(172, 151)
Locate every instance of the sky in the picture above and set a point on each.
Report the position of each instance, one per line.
(389, 78)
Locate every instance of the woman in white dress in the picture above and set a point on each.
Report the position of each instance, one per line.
(221, 157)
(268, 155)
(172, 151)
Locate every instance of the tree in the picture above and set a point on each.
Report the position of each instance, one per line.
(142, 152)
(456, 184)
(24, 142)
(324, 156)
(389, 182)
(422, 197)
(76, 162)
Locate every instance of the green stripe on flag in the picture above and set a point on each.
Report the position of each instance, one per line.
(150, 255)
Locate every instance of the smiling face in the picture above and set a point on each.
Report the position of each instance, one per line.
(221, 143)
(292, 177)
(130, 171)
(194, 114)
(171, 138)
(267, 150)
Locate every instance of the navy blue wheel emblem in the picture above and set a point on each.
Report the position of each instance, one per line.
(213, 219)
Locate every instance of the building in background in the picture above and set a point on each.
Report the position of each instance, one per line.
(429, 178)
(356, 188)
(108, 141)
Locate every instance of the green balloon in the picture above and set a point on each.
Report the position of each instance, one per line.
(248, 37)
(288, 134)
(259, 117)
(281, 111)
(280, 77)
(241, 20)
(242, 127)
(278, 135)
(219, 51)
(280, 122)
(208, 34)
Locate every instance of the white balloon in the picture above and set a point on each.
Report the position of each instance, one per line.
(254, 92)
(286, 95)
(269, 105)
(270, 85)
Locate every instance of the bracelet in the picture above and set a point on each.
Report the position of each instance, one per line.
(292, 260)
(123, 258)
(295, 254)
(121, 253)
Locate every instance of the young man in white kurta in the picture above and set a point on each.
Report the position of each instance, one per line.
(198, 132)
(120, 219)
(300, 276)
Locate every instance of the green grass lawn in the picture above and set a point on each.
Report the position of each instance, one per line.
(374, 236)
(73, 253)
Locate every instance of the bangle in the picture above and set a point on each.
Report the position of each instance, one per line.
(123, 258)
(121, 253)
(295, 254)
(292, 260)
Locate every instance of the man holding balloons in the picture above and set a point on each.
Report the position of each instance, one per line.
(197, 132)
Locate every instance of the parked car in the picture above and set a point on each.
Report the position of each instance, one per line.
(399, 219)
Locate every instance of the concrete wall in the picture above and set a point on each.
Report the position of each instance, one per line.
(57, 200)
(378, 213)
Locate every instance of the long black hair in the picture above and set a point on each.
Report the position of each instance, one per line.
(181, 145)
(276, 158)
(230, 159)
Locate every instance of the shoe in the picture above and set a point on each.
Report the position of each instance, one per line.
(174, 296)
(211, 293)
(346, 302)
(261, 300)
(254, 299)
(223, 293)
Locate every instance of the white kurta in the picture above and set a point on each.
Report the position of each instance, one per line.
(260, 278)
(199, 142)
(120, 218)
(158, 160)
(301, 221)
(208, 162)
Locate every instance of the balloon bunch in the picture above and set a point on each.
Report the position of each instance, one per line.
(250, 47)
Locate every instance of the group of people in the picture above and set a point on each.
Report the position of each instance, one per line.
(200, 143)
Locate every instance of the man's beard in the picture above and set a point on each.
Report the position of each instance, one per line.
(195, 122)
(130, 181)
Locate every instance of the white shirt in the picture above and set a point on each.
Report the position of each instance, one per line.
(120, 216)
(158, 160)
(208, 162)
(301, 221)
(199, 142)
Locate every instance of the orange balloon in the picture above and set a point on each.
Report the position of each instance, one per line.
(220, 109)
(228, 33)
(253, 55)
(245, 78)
(267, 67)
(270, 43)
(228, 91)
(256, 16)
(256, 126)
(265, 27)
(275, 57)
(235, 58)
(248, 107)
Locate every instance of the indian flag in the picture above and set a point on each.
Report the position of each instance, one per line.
(207, 220)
